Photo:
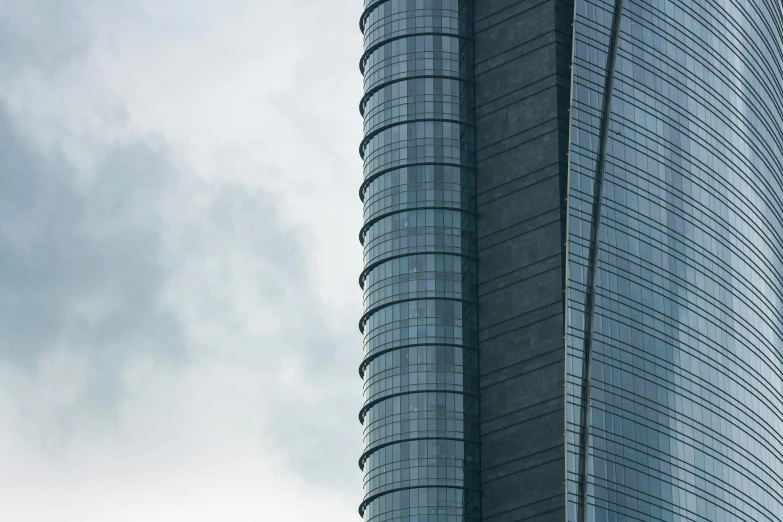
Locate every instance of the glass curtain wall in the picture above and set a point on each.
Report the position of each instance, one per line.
(420, 413)
(675, 262)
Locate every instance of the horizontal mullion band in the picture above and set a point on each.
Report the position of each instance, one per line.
(370, 451)
(367, 406)
(369, 499)
(370, 8)
(374, 220)
(382, 128)
(374, 47)
(374, 264)
(372, 311)
(367, 181)
(382, 85)
(367, 360)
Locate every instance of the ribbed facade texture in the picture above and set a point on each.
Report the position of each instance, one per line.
(573, 260)
(675, 262)
(420, 368)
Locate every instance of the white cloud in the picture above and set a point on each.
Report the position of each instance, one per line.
(181, 450)
(179, 341)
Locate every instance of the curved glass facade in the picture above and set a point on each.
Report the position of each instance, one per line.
(675, 262)
(649, 188)
(420, 365)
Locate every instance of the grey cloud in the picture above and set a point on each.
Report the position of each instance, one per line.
(319, 436)
(88, 263)
(80, 265)
(45, 34)
(84, 266)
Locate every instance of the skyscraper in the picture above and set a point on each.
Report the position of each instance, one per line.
(573, 249)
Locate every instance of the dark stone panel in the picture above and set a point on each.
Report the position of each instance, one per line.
(512, 411)
(518, 300)
(523, 53)
(513, 181)
(513, 161)
(502, 431)
(504, 222)
(523, 273)
(549, 510)
(525, 494)
(530, 341)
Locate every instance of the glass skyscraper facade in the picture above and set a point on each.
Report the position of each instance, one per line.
(675, 249)
(420, 415)
(573, 260)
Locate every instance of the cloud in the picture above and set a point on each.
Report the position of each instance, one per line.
(177, 321)
(44, 34)
(81, 263)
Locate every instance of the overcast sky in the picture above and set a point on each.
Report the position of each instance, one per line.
(179, 260)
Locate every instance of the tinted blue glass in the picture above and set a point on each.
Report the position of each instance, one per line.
(420, 367)
(675, 262)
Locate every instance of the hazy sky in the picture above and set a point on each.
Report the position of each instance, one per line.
(179, 260)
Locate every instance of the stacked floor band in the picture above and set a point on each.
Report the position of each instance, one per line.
(602, 182)
(420, 366)
(675, 262)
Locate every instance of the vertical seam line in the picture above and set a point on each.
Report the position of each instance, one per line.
(592, 265)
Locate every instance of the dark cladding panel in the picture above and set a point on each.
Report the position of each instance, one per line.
(522, 56)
